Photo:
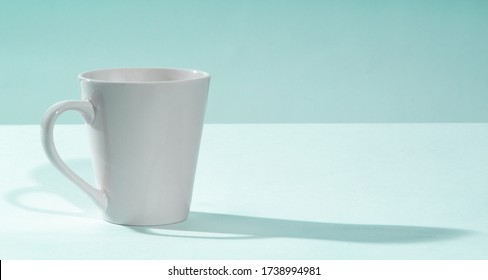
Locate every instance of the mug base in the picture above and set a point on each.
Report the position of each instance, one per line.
(146, 223)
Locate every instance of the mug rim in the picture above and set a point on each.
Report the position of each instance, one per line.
(193, 75)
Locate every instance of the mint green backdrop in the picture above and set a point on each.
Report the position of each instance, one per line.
(271, 61)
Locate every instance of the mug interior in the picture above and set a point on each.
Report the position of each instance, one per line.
(142, 75)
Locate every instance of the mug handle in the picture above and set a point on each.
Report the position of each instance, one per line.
(86, 109)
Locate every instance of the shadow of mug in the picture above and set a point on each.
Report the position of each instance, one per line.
(225, 226)
(51, 182)
(248, 227)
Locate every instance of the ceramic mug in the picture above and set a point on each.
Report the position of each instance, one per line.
(144, 127)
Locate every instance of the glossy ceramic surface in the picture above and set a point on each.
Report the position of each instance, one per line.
(144, 126)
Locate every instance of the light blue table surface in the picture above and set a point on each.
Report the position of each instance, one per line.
(268, 191)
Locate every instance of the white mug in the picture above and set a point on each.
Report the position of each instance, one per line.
(144, 127)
